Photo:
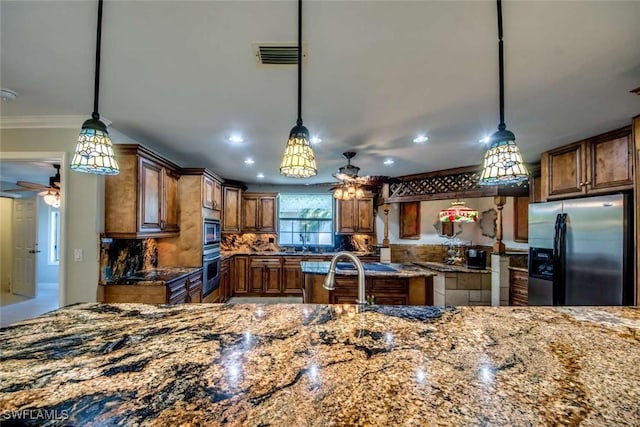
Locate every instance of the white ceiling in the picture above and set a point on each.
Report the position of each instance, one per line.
(181, 77)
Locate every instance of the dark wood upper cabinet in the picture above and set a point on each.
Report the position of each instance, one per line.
(260, 212)
(355, 216)
(521, 219)
(144, 199)
(410, 220)
(211, 193)
(601, 164)
(232, 213)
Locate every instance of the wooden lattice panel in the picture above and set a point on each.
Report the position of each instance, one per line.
(460, 182)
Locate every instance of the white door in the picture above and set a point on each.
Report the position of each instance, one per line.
(25, 241)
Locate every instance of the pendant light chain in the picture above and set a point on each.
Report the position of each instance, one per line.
(299, 121)
(502, 125)
(94, 149)
(298, 160)
(96, 87)
(503, 164)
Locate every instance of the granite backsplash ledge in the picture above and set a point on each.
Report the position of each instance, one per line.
(263, 242)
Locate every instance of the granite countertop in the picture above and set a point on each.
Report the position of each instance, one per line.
(398, 270)
(153, 277)
(523, 269)
(448, 268)
(318, 365)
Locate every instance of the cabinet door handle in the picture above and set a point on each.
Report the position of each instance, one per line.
(587, 183)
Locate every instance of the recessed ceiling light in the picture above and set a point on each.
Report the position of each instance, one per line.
(420, 139)
(260, 175)
(389, 162)
(484, 140)
(249, 161)
(315, 140)
(236, 138)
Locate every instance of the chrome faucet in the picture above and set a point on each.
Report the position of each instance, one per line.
(329, 281)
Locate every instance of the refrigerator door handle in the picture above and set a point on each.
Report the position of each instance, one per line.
(560, 274)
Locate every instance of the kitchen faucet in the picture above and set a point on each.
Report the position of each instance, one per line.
(304, 242)
(329, 281)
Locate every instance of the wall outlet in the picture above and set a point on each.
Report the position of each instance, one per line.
(78, 255)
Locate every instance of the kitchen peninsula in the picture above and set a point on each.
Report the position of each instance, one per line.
(317, 365)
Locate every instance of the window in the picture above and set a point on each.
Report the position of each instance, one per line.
(54, 236)
(305, 220)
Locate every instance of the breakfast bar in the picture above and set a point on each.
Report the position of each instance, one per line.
(317, 365)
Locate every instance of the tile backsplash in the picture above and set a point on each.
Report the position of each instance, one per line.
(122, 257)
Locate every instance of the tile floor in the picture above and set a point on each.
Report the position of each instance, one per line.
(14, 308)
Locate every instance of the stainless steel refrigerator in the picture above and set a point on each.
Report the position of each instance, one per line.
(581, 251)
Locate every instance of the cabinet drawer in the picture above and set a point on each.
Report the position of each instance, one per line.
(390, 300)
(178, 297)
(389, 285)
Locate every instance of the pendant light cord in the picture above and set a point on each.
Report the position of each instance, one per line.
(299, 122)
(501, 126)
(96, 87)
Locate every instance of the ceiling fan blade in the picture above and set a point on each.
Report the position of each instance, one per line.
(31, 185)
(18, 190)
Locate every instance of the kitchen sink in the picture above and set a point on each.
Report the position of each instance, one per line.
(371, 266)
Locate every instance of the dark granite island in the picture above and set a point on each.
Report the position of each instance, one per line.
(317, 365)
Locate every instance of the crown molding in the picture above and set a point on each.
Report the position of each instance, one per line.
(33, 122)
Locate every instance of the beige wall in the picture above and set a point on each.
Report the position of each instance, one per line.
(429, 215)
(82, 210)
(6, 246)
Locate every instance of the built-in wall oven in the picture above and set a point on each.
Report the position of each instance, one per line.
(211, 271)
(211, 256)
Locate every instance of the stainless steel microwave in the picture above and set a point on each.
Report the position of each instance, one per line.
(211, 232)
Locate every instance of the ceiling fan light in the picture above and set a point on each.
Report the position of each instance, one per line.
(52, 199)
(94, 150)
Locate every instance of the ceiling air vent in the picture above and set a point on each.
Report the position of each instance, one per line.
(278, 54)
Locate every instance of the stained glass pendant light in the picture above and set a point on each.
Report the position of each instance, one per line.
(94, 150)
(458, 212)
(502, 162)
(298, 160)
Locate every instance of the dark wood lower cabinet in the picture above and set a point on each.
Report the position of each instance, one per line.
(194, 287)
(225, 280)
(379, 290)
(518, 287)
(239, 276)
(186, 289)
(292, 276)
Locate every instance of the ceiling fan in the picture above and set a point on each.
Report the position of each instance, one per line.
(348, 174)
(53, 187)
(51, 193)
